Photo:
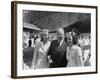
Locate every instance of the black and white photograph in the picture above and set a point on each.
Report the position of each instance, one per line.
(55, 39)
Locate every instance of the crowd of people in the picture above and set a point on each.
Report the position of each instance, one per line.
(66, 50)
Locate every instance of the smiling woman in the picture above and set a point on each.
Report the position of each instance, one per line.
(30, 18)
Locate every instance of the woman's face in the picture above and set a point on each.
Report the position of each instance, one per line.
(69, 39)
(45, 37)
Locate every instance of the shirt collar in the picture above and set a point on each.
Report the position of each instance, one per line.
(61, 42)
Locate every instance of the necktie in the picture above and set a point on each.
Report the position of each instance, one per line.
(58, 43)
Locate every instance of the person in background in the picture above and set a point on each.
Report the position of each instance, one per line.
(35, 39)
(81, 44)
(40, 51)
(57, 51)
(87, 61)
(30, 42)
(73, 54)
(75, 32)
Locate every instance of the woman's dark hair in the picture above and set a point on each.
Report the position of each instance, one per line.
(66, 39)
(75, 39)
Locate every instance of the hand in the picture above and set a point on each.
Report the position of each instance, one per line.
(50, 60)
(33, 66)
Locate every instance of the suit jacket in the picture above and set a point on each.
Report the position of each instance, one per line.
(58, 54)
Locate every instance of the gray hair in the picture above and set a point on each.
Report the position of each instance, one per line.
(60, 30)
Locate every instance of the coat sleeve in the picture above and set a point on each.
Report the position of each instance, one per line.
(49, 54)
(49, 50)
(78, 57)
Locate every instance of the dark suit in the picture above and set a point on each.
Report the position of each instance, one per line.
(58, 54)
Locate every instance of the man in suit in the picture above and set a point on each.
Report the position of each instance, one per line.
(57, 51)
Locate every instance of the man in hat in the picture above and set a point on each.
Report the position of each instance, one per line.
(75, 32)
